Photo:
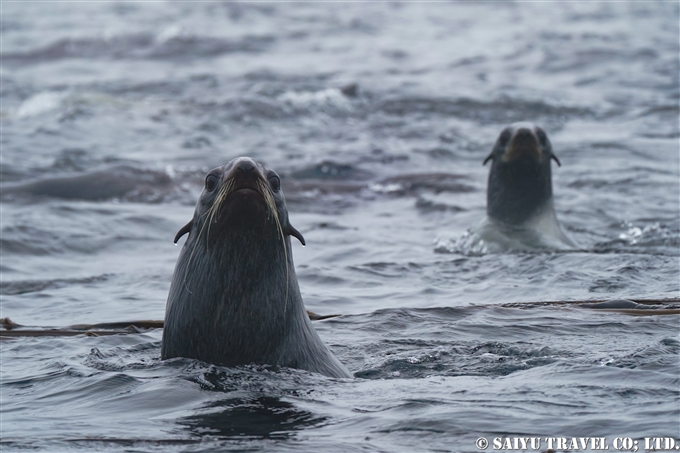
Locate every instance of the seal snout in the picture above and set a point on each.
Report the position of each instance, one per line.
(245, 174)
(523, 143)
(245, 167)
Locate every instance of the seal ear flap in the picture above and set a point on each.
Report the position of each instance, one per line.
(185, 229)
(554, 157)
(488, 158)
(293, 232)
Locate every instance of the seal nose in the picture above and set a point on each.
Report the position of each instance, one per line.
(245, 168)
(524, 137)
(523, 144)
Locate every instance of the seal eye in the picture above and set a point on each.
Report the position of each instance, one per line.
(504, 137)
(210, 182)
(542, 137)
(274, 182)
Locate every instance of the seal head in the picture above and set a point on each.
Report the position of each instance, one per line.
(520, 180)
(519, 198)
(234, 297)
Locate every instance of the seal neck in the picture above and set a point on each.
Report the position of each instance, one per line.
(518, 190)
(232, 304)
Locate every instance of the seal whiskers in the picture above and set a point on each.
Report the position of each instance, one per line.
(271, 205)
(225, 190)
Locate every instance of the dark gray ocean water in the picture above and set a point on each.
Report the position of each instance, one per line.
(378, 117)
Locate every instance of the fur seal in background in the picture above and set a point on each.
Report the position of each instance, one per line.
(519, 199)
(234, 297)
(118, 181)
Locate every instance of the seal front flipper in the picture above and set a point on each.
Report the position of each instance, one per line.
(186, 229)
(293, 232)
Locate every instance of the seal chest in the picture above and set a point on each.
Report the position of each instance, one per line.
(234, 297)
(519, 199)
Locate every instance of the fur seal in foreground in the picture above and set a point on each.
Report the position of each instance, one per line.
(234, 297)
(519, 199)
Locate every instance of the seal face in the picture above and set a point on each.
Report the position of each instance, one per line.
(234, 297)
(519, 198)
(520, 180)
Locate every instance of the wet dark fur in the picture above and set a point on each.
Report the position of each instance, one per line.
(234, 297)
(521, 187)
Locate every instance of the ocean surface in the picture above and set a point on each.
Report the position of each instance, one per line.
(378, 116)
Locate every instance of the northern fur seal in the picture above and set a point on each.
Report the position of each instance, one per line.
(234, 297)
(519, 199)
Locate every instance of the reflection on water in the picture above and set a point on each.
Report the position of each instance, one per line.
(258, 418)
